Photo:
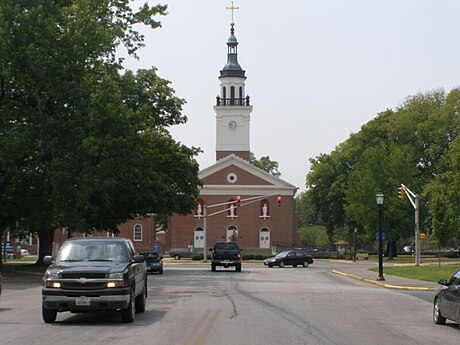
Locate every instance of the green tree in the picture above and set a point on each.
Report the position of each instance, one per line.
(266, 164)
(83, 144)
(408, 145)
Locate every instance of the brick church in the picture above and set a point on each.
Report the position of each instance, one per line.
(238, 201)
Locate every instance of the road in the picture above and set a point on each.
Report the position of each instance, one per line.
(190, 305)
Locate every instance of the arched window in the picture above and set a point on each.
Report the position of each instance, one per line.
(232, 210)
(264, 208)
(199, 211)
(241, 96)
(232, 95)
(224, 94)
(137, 232)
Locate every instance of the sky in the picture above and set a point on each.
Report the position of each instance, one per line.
(316, 70)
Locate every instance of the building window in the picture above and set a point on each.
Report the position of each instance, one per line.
(232, 209)
(264, 209)
(137, 232)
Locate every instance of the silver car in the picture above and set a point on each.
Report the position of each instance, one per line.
(447, 300)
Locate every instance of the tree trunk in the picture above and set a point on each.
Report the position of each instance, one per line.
(46, 236)
(391, 250)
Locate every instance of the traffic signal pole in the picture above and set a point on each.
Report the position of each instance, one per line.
(417, 230)
(415, 201)
(247, 201)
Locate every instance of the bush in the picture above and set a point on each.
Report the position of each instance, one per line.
(248, 257)
(259, 257)
(197, 257)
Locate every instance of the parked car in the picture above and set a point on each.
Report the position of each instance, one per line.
(24, 252)
(289, 258)
(153, 261)
(180, 253)
(226, 254)
(446, 303)
(95, 274)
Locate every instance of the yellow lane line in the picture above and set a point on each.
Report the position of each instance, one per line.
(205, 333)
(188, 339)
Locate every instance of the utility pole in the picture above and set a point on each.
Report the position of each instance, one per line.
(417, 230)
(415, 201)
(231, 203)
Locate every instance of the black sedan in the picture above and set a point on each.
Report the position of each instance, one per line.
(447, 300)
(290, 258)
(154, 262)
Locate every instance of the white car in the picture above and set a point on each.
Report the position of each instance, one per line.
(24, 252)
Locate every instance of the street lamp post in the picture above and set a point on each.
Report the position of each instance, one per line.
(379, 200)
(354, 245)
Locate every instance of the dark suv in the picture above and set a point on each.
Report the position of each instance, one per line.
(93, 274)
(226, 254)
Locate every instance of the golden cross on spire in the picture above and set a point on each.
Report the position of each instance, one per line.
(232, 8)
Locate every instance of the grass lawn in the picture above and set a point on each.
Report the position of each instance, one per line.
(427, 273)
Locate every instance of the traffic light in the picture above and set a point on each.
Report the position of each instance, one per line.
(401, 193)
(238, 200)
(278, 200)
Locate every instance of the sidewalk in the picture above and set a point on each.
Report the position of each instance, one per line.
(360, 270)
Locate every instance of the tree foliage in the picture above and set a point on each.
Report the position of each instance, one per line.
(84, 143)
(266, 164)
(417, 145)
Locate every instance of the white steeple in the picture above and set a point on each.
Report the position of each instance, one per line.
(232, 108)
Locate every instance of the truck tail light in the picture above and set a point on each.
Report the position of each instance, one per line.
(238, 256)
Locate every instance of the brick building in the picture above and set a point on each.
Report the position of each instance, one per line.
(257, 223)
(138, 230)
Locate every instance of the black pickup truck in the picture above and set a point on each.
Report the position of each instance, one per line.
(226, 254)
(95, 274)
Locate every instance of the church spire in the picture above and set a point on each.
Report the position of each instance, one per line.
(232, 68)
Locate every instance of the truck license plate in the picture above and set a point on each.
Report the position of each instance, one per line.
(226, 261)
(83, 301)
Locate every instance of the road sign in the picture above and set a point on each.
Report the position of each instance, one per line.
(377, 236)
(156, 247)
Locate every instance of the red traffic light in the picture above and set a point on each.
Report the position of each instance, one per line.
(238, 200)
(278, 200)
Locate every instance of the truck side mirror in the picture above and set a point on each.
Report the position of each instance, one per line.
(139, 259)
(47, 260)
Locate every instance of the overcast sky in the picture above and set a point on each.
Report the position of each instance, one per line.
(316, 70)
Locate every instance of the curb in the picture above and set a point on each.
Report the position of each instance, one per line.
(388, 286)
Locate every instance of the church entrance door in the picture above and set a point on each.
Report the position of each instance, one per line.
(198, 238)
(232, 233)
(264, 238)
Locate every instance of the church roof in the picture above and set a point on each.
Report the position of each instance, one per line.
(258, 180)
